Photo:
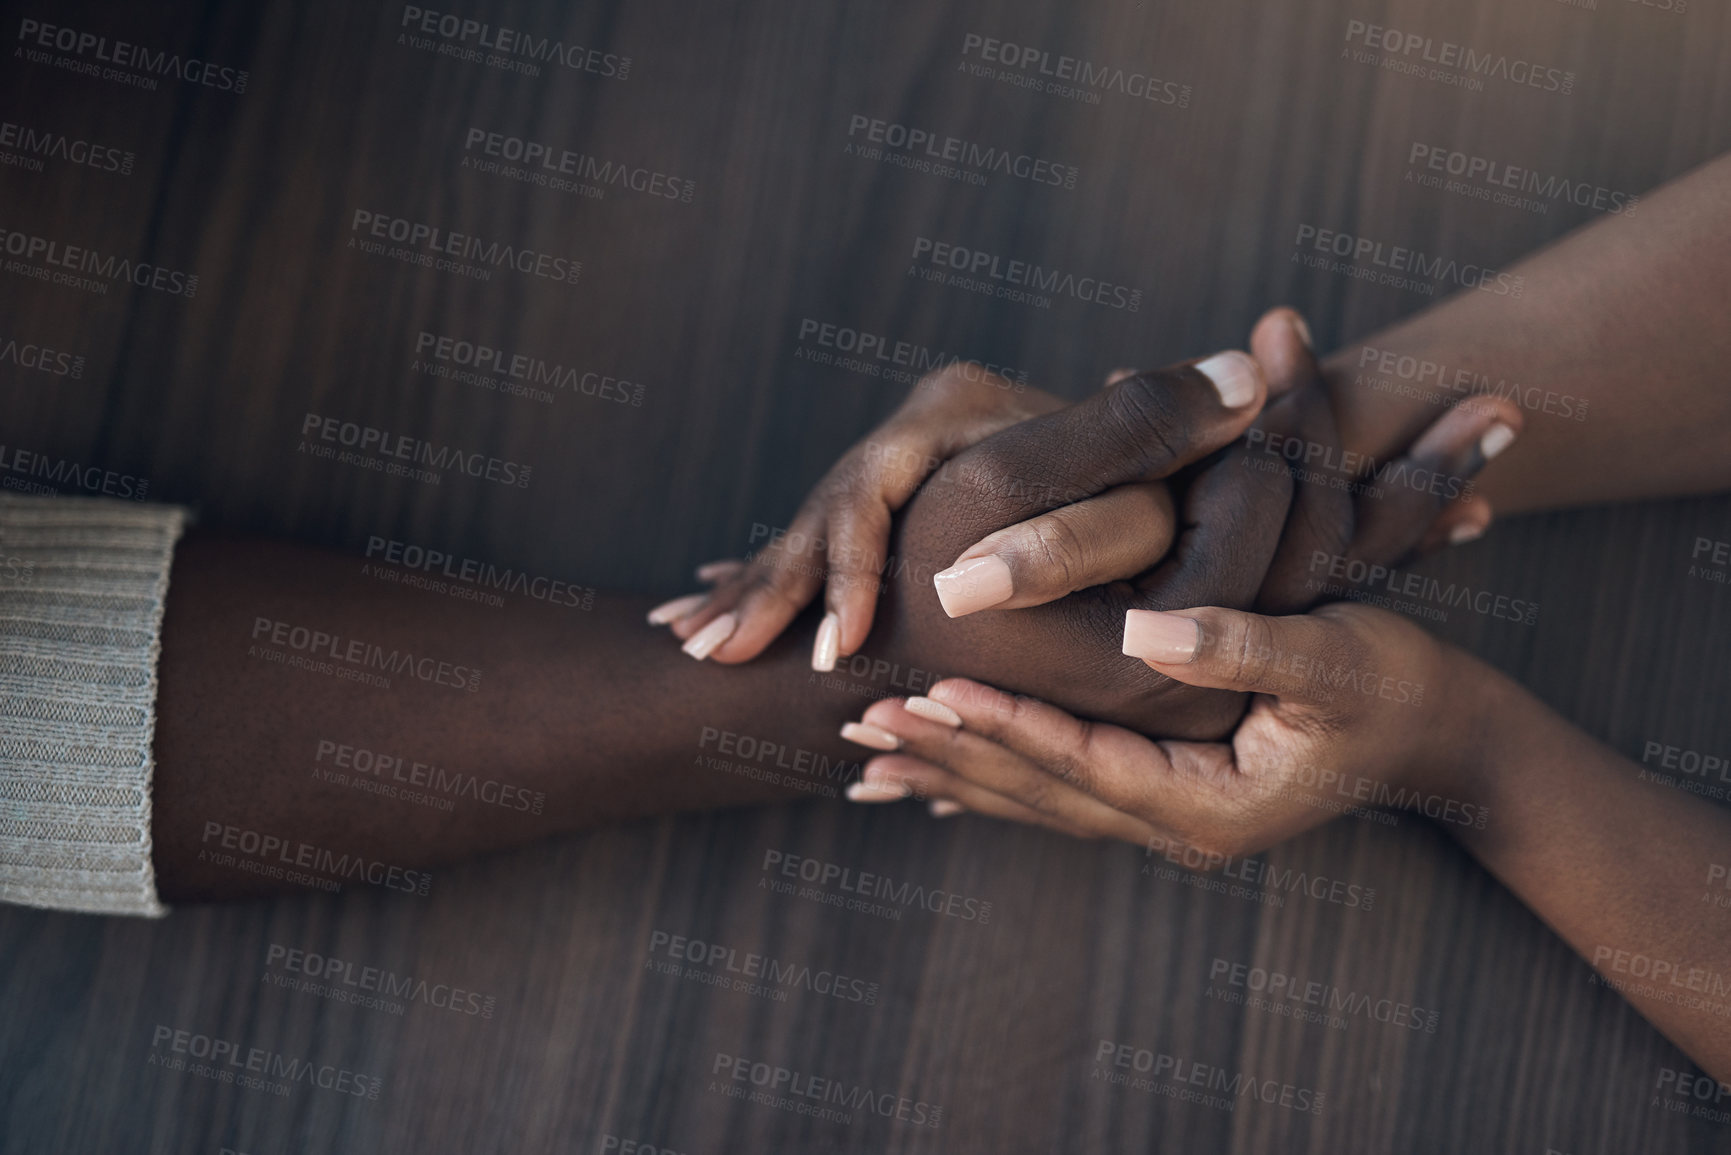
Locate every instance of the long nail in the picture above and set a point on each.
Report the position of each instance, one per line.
(1496, 439)
(828, 645)
(677, 608)
(1153, 636)
(1233, 375)
(933, 712)
(714, 571)
(866, 734)
(703, 643)
(945, 807)
(875, 792)
(973, 585)
(1464, 532)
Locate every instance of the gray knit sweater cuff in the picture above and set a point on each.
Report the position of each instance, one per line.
(82, 585)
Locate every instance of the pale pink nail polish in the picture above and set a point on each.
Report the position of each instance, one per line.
(945, 807)
(704, 642)
(1154, 636)
(875, 792)
(1496, 439)
(1465, 532)
(866, 734)
(828, 644)
(976, 584)
(714, 571)
(933, 712)
(1233, 375)
(677, 608)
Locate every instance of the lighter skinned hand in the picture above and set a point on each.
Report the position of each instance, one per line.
(1351, 706)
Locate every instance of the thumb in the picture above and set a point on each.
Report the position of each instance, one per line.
(1302, 657)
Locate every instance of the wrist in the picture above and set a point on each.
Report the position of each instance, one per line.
(1491, 718)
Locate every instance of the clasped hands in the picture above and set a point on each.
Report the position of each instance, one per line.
(1144, 558)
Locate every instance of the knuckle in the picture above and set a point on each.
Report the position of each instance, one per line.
(1144, 412)
(1057, 552)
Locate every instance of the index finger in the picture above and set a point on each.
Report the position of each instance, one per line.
(1145, 427)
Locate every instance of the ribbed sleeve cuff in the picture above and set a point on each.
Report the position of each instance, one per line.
(82, 587)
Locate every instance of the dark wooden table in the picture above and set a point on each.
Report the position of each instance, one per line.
(1232, 126)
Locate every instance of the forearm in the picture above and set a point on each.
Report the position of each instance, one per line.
(1626, 315)
(1618, 867)
(593, 711)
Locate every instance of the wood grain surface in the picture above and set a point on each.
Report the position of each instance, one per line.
(1274, 125)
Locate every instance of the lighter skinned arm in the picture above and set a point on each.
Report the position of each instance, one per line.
(1627, 314)
(1622, 869)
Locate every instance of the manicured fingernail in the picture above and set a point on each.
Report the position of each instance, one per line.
(1303, 331)
(945, 807)
(1496, 439)
(933, 712)
(714, 571)
(828, 644)
(867, 734)
(1465, 532)
(677, 608)
(875, 792)
(1233, 375)
(976, 584)
(701, 644)
(1160, 637)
